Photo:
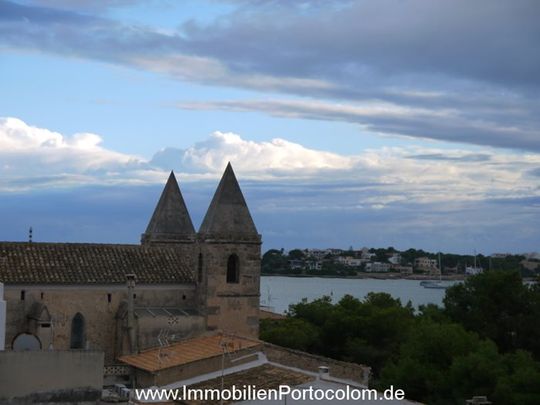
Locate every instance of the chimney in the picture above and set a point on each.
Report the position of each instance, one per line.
(131, 313)
(324, 372)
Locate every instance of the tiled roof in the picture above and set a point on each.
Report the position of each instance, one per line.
(81, 263)
(187, 351)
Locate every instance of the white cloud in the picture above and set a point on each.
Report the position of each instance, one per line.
(34, 157)
(37, 157)
(252, 158)
(392, 175)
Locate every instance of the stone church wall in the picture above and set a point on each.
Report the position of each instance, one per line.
(92, 302)
(233, 307)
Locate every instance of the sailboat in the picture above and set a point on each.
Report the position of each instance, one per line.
(472, 271)
(435, 284)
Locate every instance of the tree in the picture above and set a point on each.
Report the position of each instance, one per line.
(472, 346)
(499, 306)
(296, 254)
(423, 365)
(367, 332)
(273, 261)
(290, 332)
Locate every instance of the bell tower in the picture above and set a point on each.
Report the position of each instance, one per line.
(230, 261)
(171, 224)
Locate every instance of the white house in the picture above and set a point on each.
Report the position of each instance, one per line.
(377, 267)
(472, 271)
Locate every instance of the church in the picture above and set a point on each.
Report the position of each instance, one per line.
(120, 299)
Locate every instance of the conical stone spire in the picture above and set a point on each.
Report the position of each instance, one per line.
(171, 221)
(228, 215)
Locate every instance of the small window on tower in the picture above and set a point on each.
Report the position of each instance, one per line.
(233, 269)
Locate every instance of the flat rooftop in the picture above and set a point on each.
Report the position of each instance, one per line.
(265, 377)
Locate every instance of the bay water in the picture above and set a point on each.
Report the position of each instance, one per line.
(278, 292)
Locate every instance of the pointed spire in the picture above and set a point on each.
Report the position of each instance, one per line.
(228, 214)
(171, 221)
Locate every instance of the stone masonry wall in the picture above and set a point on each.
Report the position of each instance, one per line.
(232, 307)
(63, 302)
(50, 376)
(311, 362)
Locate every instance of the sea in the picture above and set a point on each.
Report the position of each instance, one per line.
(278, 292)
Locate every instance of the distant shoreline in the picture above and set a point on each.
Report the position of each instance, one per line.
(386, 276)
(376, 276)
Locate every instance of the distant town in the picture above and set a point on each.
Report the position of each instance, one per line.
(392, 263)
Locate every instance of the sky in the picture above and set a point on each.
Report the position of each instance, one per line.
(405, 123)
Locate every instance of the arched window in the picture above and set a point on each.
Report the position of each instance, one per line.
(233, 269)
(200, 268)
(26, 341)
(78, 339)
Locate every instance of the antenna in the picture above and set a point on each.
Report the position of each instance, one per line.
(163, 339)
(30, 235)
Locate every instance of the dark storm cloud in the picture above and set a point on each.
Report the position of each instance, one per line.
(472, 157)
(458, 131)
(484, 40)
(478, 60)
(72, 33)
(481, 40)
(505, 129)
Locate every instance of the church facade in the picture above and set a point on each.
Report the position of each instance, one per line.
(120, 299)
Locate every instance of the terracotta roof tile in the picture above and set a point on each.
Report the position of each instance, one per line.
(81, 263)
(186, 352)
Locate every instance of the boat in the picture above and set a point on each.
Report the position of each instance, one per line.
(434, 283)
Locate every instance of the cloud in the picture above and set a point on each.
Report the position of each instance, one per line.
(212, 71)
(299, 196)
(502, 129)
(377, 178)
(471, 157)
(119, 214)
(486, 41)
(37, 157)
(83, 35)
(261, 159)
(82, 5)
(33, 157)
(454, 71)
